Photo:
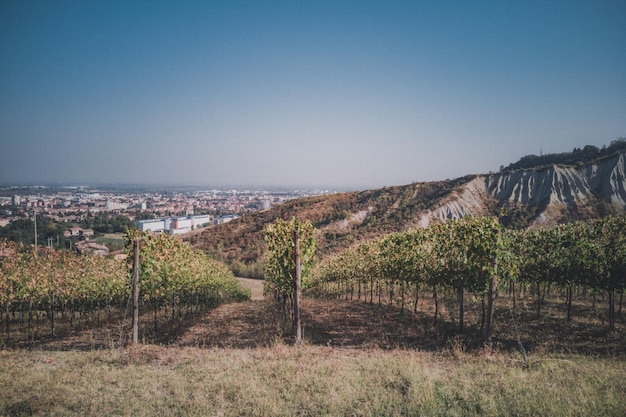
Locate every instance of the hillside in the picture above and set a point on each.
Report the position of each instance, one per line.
(535, 197)
(341, 219)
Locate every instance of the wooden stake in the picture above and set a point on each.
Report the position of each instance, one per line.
(298, 295)
(136, 292)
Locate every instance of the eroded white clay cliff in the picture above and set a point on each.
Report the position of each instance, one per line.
(554, 191)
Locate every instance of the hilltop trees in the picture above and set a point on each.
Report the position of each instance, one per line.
(578, 155)
(23, 231)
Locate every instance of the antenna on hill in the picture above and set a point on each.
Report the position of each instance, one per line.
(540, 151)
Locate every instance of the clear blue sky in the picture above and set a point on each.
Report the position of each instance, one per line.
(356, 94)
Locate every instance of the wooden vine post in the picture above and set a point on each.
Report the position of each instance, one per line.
(298, 289)
(289, 258)
(491, 302)
(136, 292)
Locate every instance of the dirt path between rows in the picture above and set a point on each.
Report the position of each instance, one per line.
(234, 325)
(255, 285)
(337, 323)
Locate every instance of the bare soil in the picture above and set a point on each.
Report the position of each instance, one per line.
(235, 325)
(356, 324)
(341, 323)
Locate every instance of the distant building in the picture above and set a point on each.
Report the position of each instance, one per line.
(201, 221)
(265, 204)
(227, 218)
(174, 225)
(151, 225)
(119, 255)
(77, 231)
(181, 225)
(72, 232)
(115, 205)
(88, 247)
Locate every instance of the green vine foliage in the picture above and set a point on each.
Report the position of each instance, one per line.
(169, 268)
(57, 281)
(477, 255)
(279, 262)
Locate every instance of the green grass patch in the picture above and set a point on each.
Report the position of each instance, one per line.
(113, 241)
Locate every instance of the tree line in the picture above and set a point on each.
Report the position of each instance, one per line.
(51, 232)
(578, 155)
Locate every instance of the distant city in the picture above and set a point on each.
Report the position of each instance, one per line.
(144, 205)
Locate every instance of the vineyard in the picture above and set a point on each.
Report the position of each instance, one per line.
(380, 327)
(477, 258)
(72, 292)
(458, 267)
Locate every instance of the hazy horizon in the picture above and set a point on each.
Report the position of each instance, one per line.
(341, 94)
(104, 186)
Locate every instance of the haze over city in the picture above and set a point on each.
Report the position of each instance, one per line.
(349, 94)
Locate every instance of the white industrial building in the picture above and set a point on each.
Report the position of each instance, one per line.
(174, 225)
(226, 218)
(151, 225)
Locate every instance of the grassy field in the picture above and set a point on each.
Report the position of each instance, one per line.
(359, 359)
(113, 241)
(307, 381)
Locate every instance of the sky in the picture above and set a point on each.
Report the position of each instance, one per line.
(345, 94)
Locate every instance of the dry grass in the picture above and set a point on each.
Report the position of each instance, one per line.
(309, 381)
(359, 359)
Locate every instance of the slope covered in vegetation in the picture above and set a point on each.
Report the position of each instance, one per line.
(544, 195)
(341, 220)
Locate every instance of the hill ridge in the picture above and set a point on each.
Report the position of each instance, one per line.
(533, 197)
